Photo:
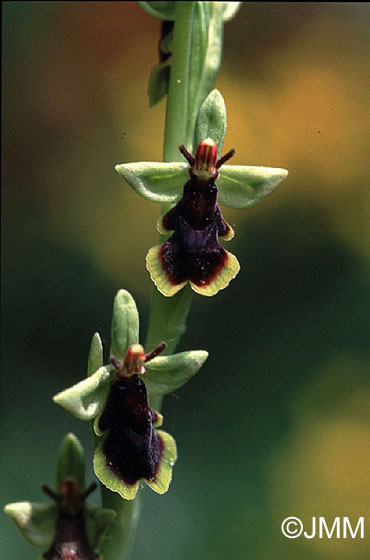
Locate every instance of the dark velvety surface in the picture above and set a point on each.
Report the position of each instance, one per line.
(70, 541)
(132, 447)
(194, 252)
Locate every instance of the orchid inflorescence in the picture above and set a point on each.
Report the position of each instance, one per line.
(118, 393)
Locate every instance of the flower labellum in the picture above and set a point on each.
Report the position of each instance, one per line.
(70, 541)
(193, 253)
(132, 449)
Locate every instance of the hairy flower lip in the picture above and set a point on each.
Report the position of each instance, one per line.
(127, 418)
(131, 450)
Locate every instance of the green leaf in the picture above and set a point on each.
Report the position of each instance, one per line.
(155, 181)
(95, 360)
(36, 521)
(165, 374)
(97, 522)
(86, 399)
(71, 461)
(125, 324)
(158, 82)
(230, 10)
(211, 122)
(241, 186)
(161, 10)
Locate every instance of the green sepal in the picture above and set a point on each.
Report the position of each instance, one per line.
(161, 10)
(158, 82)
(230, 10)
(156, 181)
(95, 360)
(86, 399)
(165, 374)
(125, 324)
(97, 430)
(36, 521)
(241, 186)
(211, 121)
(97, 522)
(71, 461)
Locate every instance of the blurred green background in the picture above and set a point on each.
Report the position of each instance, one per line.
(277, 423)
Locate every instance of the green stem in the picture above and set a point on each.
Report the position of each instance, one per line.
(120, 538)
(168, 318)
(167, 315)
(176, 128)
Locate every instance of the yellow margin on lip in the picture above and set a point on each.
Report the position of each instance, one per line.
(158, 275)
(160, 226)
(109, 479)
(168, 459)
(159, 420)
(222, 280)
(229, 235)
(127, 491)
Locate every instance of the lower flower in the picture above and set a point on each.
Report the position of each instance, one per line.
(69, 528)
(132, 449)
(70, 541)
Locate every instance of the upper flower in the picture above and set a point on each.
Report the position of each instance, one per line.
(193, 253)
(116, 397)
